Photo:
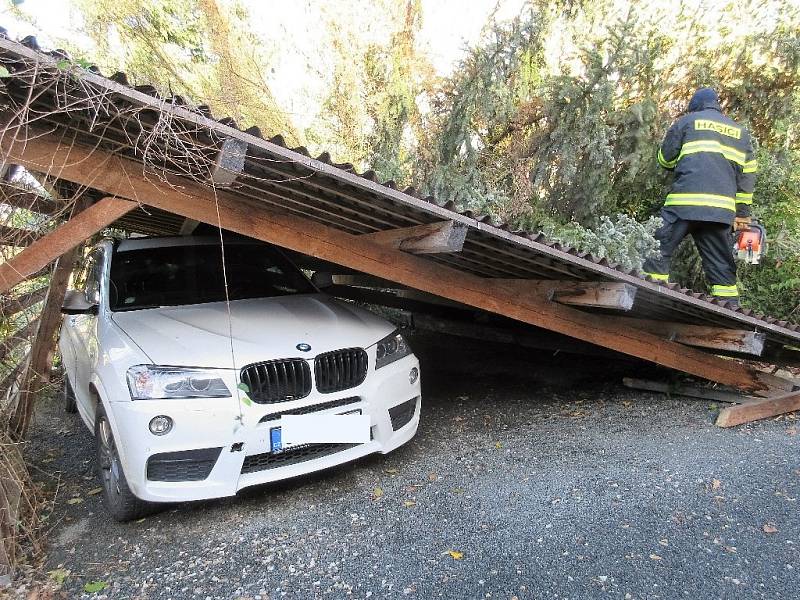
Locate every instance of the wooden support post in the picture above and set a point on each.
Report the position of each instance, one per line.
(433, 238)
(120, 176)
(591, 294)
(36, 374)
(64, 238)
(763, 408)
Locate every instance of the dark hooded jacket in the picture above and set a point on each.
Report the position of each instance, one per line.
(713, 160)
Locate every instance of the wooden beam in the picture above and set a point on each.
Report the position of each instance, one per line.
(763, 408)
(37, 370)
(114, 174)
(702, 336)
(433, 238)
(66, 237)
(229, 163)
(11, 306)
(591, 294)
(692, 391)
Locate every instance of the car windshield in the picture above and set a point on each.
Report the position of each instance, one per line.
(178, 275)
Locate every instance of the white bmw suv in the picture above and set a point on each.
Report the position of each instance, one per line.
(198, 381)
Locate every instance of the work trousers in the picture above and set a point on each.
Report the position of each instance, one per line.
(714, 242)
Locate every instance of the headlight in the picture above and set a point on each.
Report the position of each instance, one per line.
(391, 348)
(148, 382)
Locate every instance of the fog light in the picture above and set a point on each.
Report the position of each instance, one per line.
(160, 425)
(413, 375)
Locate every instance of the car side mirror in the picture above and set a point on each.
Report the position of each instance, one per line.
(75, 303)
(322, 279)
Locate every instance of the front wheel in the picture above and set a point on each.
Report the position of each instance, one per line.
(119, 498)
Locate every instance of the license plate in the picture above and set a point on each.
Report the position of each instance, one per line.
(276, 442)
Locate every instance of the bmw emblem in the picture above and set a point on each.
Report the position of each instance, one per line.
(303, 347)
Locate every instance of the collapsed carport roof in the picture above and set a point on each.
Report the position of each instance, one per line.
(59, 116)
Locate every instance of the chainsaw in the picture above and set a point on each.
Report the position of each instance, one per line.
(751, 243)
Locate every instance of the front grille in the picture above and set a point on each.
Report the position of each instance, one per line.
(304, 410)
(268, 460)
(277, 380)
(340, 370)
(187, 465)
(402, 414)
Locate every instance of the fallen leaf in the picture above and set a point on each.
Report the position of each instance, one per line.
(94, 586)
(94, 491)
(716, 484)
(432, 477)
(377, 493)
(769, 528)
(409, 503)
(498, 445)
(655, 557)
(456, 555)
(59, 575)
(74, 500)
(391, 471)
(457, 491)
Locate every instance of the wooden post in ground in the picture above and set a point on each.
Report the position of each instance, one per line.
(36, 374)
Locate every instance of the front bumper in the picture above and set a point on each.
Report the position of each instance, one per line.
(224, 446)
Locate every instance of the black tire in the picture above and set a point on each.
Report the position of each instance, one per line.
(119, 498)
(70, 405)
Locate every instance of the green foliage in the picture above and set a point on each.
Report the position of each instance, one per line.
(555, 118)
(621, 240)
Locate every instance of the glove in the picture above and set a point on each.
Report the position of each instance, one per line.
(740, 223)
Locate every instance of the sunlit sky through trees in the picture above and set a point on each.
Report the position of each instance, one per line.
(295, 28)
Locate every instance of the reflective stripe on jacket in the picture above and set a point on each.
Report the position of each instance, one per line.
(714, 165)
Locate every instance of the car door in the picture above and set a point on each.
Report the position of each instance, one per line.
(84, 337)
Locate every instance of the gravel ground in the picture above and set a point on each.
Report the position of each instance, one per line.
(530, 477)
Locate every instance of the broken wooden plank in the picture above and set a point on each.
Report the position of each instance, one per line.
(591, 294)
(229, 162)
(67, 236)
(114, 174)
(701, 336)
(755, 410)
(433, 238)
(692, 391)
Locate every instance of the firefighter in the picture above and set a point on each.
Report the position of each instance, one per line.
(715, 167)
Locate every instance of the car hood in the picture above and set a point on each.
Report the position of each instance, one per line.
(260, 329)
